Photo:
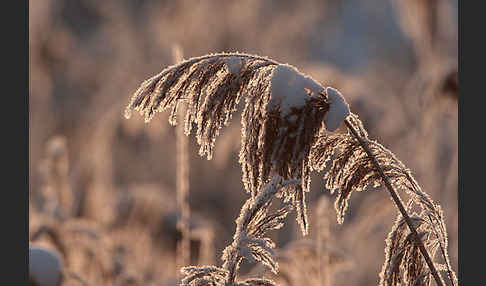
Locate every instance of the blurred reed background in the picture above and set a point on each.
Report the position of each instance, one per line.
(103, 188)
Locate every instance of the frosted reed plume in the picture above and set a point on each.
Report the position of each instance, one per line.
(403, 261)
(283, 112)
(286, 121)
(252, 224)
(357, 163)
(249, 241)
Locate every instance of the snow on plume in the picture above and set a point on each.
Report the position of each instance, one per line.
(288, 88)
(338, 109)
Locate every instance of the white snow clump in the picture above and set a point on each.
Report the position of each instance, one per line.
(338, 110)
(288, 88)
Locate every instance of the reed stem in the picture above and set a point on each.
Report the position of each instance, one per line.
(399, 204)
(182, 184)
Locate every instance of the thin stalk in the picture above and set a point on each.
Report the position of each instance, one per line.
(323, 239)
(182, 184)
(398, 203)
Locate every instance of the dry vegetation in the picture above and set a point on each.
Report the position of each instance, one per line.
(127, 203)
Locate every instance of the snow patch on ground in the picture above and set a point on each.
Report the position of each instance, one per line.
(45, 266)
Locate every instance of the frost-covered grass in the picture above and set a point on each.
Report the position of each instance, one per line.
(287, 132)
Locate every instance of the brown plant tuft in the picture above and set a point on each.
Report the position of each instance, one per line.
(404, 264)
(354, 167)
(275, 137)
(284, 122)
(249, 241)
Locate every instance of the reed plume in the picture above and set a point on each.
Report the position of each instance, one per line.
(283, 111)
(286, 123)
(403, 263)
(249, 241)
(358, 163)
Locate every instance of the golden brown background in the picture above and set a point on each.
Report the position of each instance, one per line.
(394, 61)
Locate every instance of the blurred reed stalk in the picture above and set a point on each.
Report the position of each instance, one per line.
(398, 203)
(183, 256)
(57, 190)
(206, 250)
(323, 239)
